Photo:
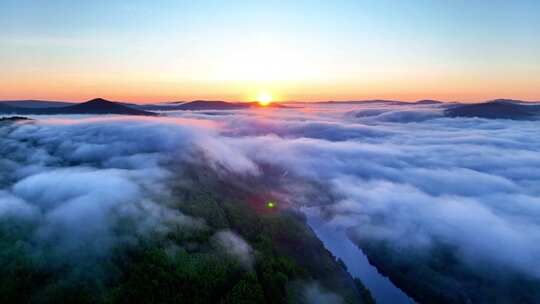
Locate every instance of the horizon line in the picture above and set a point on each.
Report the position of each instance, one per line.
(276, 101)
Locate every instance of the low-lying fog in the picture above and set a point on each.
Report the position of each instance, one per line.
(397, 173)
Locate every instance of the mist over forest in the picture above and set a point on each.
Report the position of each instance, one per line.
(446, 207)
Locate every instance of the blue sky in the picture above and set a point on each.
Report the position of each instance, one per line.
(296, 49)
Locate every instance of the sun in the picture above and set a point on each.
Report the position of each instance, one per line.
(264, 99)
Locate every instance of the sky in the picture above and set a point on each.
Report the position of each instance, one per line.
(148, 51)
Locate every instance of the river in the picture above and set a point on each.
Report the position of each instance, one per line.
(337, 242)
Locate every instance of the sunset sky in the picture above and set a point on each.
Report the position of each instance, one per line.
(295, 50)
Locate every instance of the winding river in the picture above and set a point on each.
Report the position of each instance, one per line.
(337, 242)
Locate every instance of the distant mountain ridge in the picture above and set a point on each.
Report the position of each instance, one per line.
(94, 106)
(32, 103)
(200, 105)
(12, 119)
(102, 106)
(192, 105)
(498, 108)
(368, 101)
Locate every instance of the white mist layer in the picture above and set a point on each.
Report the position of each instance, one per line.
(403, 174)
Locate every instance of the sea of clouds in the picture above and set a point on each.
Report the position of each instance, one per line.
(399, 173)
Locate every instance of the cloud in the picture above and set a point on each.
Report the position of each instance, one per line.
(12, 206)
(396, 113)
(467, 183)
(407, 217)
(314, 294)
(384, 172)
(236, 247)
(90, 187)
(82, 208)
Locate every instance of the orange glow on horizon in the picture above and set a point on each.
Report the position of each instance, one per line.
(264, 99)
(162, 89)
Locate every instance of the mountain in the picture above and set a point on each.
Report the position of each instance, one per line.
(36, 104)
(12, 119)
(195, 105)
(499, 108)
(94, 106)
(102, 106)
(200, 105)
(515, 101)
(427, 102)
(7, 109)
(385, 101)
(4, 107)
(371, 101)
(210, 105)
(174, 102)
(165, 106)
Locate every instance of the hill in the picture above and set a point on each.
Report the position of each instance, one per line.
(102, 106)
(210, 105)
(196, 105)
(371, 101)
(427, 102)
(36, 104)
(13, 119)
(94, 106)
(499, 108)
